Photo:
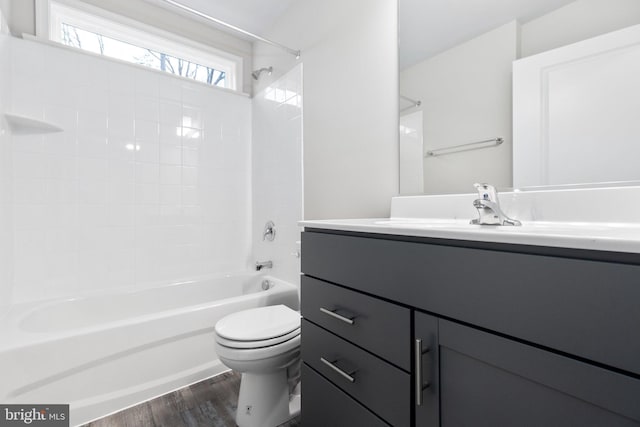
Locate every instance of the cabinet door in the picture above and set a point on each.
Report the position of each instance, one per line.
(487, 380)
(425, 375)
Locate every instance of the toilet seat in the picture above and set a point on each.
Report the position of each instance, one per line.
(257, 344)
(258, 327)
(261, 354)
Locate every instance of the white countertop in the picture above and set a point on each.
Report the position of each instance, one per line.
(598, 218)
(616, 237)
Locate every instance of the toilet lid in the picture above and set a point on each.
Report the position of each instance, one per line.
(258, 324)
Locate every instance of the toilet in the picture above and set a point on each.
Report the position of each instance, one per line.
(264, 345)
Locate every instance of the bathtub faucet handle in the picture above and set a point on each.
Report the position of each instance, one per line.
(269, 232)
(263, 264)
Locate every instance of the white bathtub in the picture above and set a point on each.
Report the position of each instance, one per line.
(104, 353)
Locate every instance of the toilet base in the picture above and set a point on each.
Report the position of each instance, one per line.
(294, 404)
(264, 400)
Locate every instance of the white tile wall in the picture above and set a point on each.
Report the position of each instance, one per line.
(149, 182)
(277, 172)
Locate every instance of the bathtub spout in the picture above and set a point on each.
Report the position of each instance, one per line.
(263, 264)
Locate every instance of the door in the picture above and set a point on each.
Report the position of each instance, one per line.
(487, 380)
(425, 375)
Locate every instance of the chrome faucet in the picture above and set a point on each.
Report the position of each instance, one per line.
(488, 206)
(263, 264)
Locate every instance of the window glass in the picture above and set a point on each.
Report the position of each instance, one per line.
(99, 35)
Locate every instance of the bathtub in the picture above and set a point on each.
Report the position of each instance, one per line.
(102, 353)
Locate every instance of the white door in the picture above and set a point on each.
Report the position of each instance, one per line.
(577, 112)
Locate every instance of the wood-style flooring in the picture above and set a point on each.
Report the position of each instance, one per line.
(209, 403)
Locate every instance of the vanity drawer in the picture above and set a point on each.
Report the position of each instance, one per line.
(376, 384)
(323, 404)
(378, 326)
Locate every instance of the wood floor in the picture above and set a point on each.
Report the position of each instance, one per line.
(209, 403)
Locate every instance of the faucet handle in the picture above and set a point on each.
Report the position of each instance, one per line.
(269, 232)
(489, 211)
(487, 192)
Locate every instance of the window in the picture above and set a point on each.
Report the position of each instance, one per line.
(139, 44)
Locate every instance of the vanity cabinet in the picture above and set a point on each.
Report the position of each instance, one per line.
(433, 332)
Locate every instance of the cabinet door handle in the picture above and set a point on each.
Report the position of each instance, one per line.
(347, 375)
(420, 385)
(333, 313)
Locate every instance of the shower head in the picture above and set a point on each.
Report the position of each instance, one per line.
(256, 73)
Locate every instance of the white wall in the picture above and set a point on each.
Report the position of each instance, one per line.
(277, 173)
(411, 153)
(350, 57)
(577, 21)
(90, 212)
(6, 235)
(4, 13)
(466, 97)
(20, 15)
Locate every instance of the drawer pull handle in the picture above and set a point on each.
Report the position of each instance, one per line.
(348, 375)
(420, 385)
(333, 313)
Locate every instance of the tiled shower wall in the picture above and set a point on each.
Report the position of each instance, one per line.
(277, 172)
(148, 183)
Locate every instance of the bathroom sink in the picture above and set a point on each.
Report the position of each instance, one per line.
(465, 224)
(541, 228)
(423, 222)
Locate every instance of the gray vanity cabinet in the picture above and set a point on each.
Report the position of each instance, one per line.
(416, 332)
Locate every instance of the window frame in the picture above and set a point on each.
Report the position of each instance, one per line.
(108, 24)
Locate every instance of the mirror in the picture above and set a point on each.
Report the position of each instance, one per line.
(456, 81)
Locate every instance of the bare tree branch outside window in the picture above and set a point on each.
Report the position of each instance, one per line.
(70, 36)
(101, 43)
(76, 37)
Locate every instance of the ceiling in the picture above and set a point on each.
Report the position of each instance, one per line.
(256, 16)
(427, 27)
